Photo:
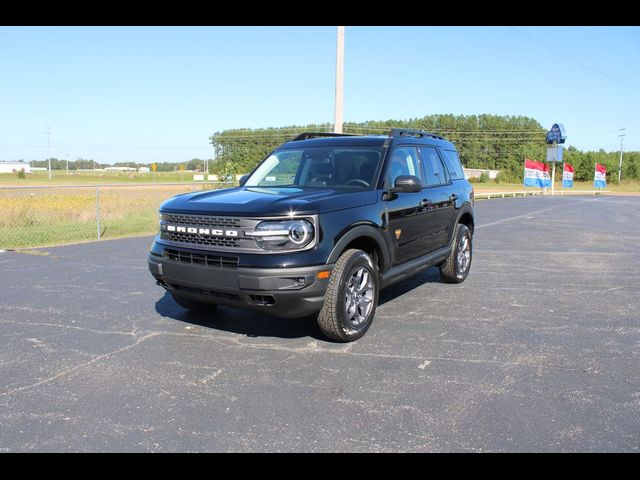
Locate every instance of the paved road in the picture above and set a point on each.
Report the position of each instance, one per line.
(539, 350)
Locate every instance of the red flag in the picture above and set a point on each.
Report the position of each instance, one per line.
(536, 174)
(600, 176)
(535, 165)
(567, 176)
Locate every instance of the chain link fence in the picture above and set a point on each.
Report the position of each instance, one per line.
(43, 216)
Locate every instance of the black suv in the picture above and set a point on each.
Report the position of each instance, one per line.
(320, 225)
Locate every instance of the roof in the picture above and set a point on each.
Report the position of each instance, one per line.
(366, 140)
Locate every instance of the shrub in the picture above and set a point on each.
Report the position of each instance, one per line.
(20, 173)
(484, 177)
(507, 176)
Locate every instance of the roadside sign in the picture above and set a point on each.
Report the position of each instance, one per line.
(557, 134)
(554, 154)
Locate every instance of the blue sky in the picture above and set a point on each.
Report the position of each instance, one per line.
(157, 93)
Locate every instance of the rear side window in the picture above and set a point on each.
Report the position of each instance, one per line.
(434, 170)
(453, 164)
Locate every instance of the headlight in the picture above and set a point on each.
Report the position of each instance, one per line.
(283, 235)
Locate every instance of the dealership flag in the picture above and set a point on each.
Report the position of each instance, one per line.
(536, 174)
(600, 177)
(567, 176)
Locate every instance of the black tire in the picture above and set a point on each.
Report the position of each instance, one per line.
(334, 319)
(193, 305)
(452, 270)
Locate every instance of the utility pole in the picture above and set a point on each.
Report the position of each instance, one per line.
(67, 155)
(48, 132)
(620, 165)
(337, 122)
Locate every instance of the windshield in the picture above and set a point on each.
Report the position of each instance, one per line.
(318, 167)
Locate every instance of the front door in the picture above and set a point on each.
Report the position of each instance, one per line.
(411, 215)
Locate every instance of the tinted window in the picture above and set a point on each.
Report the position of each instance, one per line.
(318, 167)
(453, 164)
(434, 170)
(404, 161)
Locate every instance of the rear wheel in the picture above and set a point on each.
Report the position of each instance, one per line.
(456, 268)
(193, 305)
(351, 297)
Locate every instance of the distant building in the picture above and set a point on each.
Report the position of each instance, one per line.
(476, 172)
(120, 169)
(144, 170)
(14, 167)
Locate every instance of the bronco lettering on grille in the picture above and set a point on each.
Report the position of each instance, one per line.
(212, 232)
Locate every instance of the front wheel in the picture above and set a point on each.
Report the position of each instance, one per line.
(351, 297)
(456, 268)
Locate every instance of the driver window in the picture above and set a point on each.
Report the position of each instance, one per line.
(404, 161)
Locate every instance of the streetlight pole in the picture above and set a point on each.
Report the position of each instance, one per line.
(620, 165)
(339, 108)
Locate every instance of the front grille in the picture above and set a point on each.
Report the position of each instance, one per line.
(199, 232)
(197, 239)
(201, 259)
(202, 220)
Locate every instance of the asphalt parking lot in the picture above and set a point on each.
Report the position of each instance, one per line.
(539, 350)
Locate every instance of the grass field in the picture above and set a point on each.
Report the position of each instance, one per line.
(60, 177)
(626, 186)
(42, 216)
(93, 178)
(51, 216)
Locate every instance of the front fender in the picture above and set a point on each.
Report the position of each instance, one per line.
(366, 231)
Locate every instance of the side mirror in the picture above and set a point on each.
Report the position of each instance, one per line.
(407, 184)
(243, 178)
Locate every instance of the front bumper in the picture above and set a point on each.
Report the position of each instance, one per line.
(285, 292)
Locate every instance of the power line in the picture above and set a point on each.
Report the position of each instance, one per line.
(611, 77)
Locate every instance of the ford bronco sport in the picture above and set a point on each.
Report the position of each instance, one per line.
(319, 227)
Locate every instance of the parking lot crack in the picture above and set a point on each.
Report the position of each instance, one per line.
(71, 327)
(75, 369)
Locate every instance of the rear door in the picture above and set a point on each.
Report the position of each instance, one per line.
(438, 183)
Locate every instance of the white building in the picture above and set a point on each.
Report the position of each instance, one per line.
(144, 170)
(119, 169)
(476, 172)
(14, 167)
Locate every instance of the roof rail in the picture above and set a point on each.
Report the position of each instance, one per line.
(403, 132)
(308, 135)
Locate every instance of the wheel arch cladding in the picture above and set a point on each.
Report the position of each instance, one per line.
(364, 238)
(467, 219)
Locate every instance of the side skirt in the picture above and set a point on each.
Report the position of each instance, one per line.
(407, 269)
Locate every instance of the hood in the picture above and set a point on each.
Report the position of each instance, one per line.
(255, 201)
